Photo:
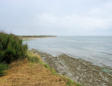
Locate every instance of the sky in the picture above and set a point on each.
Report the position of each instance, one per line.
(56, 17)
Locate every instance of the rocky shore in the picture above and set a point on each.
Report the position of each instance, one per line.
(78, 70)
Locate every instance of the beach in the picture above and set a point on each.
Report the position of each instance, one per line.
(79, 70)
(55, 42)
(84, 60)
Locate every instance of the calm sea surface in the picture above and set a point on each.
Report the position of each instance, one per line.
(98, 50)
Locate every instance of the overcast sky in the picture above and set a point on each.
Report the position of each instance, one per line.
(56, 17)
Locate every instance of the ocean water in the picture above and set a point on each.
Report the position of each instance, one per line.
(97, 50)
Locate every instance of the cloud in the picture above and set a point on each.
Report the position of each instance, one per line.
(59, 17)
(73, 21)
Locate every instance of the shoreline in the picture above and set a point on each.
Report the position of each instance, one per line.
(32, 71)
(34, 37)
(79, 70)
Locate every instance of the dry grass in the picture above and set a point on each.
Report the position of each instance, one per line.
(24, 73)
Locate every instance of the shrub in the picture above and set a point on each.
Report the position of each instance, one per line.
(11, 48)
(3, 67)
(33, 59)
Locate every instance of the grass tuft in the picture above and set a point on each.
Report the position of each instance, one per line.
(46, 66)
(33, 59)
(3, 67)
(37, 59)
(78, 84)
(70, 82)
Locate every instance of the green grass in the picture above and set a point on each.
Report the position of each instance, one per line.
(46, 66)
(70, 82)
(51, 69)
(78, 84)
(3, 67)
(33, 59)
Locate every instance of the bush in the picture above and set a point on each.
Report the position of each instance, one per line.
(33, 59)
(3, 67)
(11, 48)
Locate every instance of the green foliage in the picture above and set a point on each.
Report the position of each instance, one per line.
(78, 84)
(33, 59)
(46, 66)
(3, 67)
(70, 82)
(51, 69)
(11, 48)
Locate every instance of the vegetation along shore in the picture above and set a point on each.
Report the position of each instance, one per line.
(27, 37)
(21, 67)
(78, 70)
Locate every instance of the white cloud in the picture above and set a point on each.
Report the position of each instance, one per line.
(57, 16)
(73, 21)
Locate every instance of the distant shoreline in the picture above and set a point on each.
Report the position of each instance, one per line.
(35, 36)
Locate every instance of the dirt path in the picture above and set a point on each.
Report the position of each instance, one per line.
(24, 73)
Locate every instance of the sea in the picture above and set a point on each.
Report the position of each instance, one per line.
(96, 49)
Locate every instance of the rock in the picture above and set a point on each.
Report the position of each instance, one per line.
(78, 70)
